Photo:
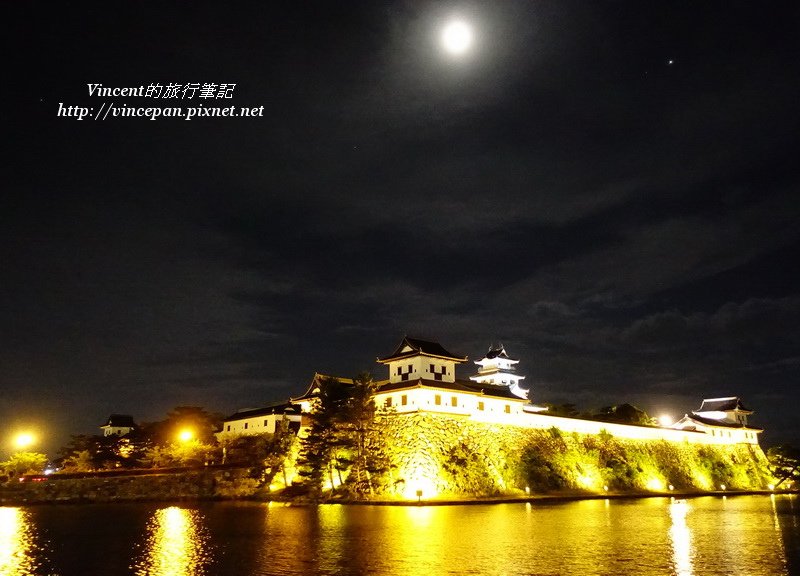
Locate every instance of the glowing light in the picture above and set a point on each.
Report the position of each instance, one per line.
(185, 435)
(587, 481)
(665, 420)
(418, 487)
(671, 487)
(124, 448)
(24, 440)
(722, 487)
(771, 486)
(701, 479)
(176, 544)
(457, 37)
(655, 485)
(331, 484)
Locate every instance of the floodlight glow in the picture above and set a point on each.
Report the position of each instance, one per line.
(23, 440)
(457, 37)
(185, 435)
(665, 420)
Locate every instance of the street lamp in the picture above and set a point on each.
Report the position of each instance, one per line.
(185, 435)
(24, 440)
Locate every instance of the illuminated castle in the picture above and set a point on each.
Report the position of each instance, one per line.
(422, 379)
(496, 368)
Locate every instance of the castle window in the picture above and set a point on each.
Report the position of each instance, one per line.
(508, 409)
(431, 370)
(437, 399)
(480, 405)
(388, 402)
(265, 422)
(229, 427)
(399, 370)
(403, 399)
(454, 402)
(245, 425)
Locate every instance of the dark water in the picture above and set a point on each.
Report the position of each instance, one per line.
(747, 535)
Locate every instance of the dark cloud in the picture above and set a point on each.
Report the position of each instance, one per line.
(626, 226)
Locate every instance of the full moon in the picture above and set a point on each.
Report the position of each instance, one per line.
(457, 37)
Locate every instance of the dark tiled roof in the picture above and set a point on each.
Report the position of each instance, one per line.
(421, 347)
(712, 422)
(120, 421)
(489, 390)
(458, 386)
(498, 353)
(276, 408)
(309, 393)
(722, 405)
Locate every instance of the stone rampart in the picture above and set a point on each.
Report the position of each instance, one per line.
(436, 455)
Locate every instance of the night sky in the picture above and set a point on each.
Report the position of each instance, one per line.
(610, 189)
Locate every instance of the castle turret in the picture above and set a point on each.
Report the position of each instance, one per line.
(728, 410)
(414, 359)
(498, 369)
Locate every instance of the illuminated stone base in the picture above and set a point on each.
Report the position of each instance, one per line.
(441, 456)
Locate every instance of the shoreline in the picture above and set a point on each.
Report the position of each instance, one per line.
(554, 498)
(540, 498)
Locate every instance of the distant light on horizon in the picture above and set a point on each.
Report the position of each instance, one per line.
(666, 420)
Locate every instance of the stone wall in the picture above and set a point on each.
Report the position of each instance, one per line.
(440, 455)
(185, 485)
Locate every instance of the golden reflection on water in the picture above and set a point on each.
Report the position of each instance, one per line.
(176, 544)
(681, 538)
(17, 549)
(651, 537)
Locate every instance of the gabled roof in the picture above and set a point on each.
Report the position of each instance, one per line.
(119, 421)
(711, 422)
(415, 347)
(723, 405)
(313, 387)
(274, 408)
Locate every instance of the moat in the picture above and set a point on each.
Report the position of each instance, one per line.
(752, 535)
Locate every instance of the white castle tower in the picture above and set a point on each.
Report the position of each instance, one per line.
(498, 369)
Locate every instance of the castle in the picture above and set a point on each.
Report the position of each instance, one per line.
(422, 380)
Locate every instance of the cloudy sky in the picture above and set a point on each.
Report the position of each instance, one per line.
(610, 189)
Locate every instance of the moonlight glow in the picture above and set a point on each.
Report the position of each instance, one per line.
(457, 37)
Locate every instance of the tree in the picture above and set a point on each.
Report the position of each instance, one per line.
(280, 446)
(320, 449)
(784, 463)
(201, 423)
(80, 461)
(344, 439)
(84, 453)
(624, 414)
(24, 463)
(565, 410)
(358, 424)
(363, 434)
